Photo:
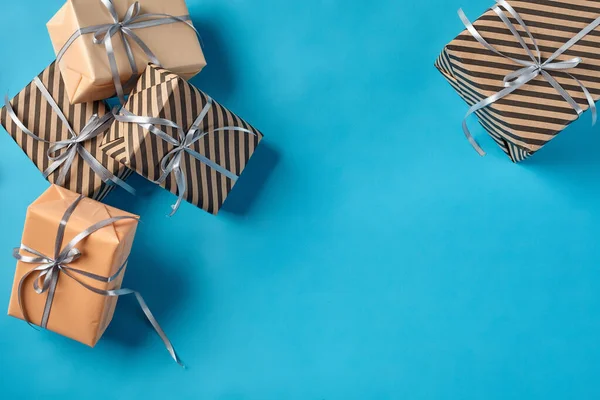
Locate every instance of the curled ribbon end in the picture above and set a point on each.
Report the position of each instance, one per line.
(477, 148)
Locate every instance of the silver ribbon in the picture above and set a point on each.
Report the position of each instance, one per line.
(74, 146)
(530, 69)
(171, 162)
(50, 268)
(133, 19)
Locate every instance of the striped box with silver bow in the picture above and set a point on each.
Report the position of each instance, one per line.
(61, 139)
(527, 69)
(181, 139)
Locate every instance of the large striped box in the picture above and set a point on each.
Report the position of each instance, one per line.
(527, 119)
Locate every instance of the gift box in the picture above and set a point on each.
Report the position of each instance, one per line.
(88, 171)
(86, 64)
(538, 61)
(200, 165)
(66, 306)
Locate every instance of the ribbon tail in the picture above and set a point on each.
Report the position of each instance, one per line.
(181, 189)
(589, 99)
(50, 298)
(52, 168)
(483, 104)
(62, 177)
(143, 306)
(154, 324)
(20, 297)
(20, 294)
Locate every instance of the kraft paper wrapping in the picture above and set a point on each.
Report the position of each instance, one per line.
(76, 312)
(527, 119)
(85, 67)
(37, 115)
(161, 93)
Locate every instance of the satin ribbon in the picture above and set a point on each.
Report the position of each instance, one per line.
(171, 162)
(530, 69)
(50, 268)
(73, 146)
(134, 19)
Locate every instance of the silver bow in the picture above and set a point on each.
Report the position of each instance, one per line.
(74, 146)
(133, 19)
(50, 268)
(531, 68)
(171, 162)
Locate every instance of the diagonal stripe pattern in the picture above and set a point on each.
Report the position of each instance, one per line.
(527, 119)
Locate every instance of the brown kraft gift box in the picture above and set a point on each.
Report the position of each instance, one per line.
(161, 93)
(76, 312)
(85, 66)
(37, 116)
(528, 118)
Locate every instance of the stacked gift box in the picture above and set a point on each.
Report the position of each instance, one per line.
(166, 130)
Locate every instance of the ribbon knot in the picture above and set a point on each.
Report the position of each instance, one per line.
(119, 25)
(133, 19)
(49, 269)
(530, 68)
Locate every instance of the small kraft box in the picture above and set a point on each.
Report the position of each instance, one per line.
(103, 45)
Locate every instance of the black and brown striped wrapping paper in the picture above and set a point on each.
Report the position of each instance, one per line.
(163, 94)
(527, 119)
(37, 115)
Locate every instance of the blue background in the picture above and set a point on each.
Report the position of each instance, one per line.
(367, 253)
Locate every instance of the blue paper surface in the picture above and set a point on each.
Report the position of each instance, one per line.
(367, 251)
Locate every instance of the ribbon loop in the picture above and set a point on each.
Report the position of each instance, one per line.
(171, 162)
(49, 269)
(530, 69)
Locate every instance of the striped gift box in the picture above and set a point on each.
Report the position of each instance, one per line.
(527, 119)
(162, 94)
(36, 114)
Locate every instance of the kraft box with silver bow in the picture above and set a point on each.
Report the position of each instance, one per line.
(178, 137)
(527, 69)
(70, 266)
(63, 140)
(103, 45)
